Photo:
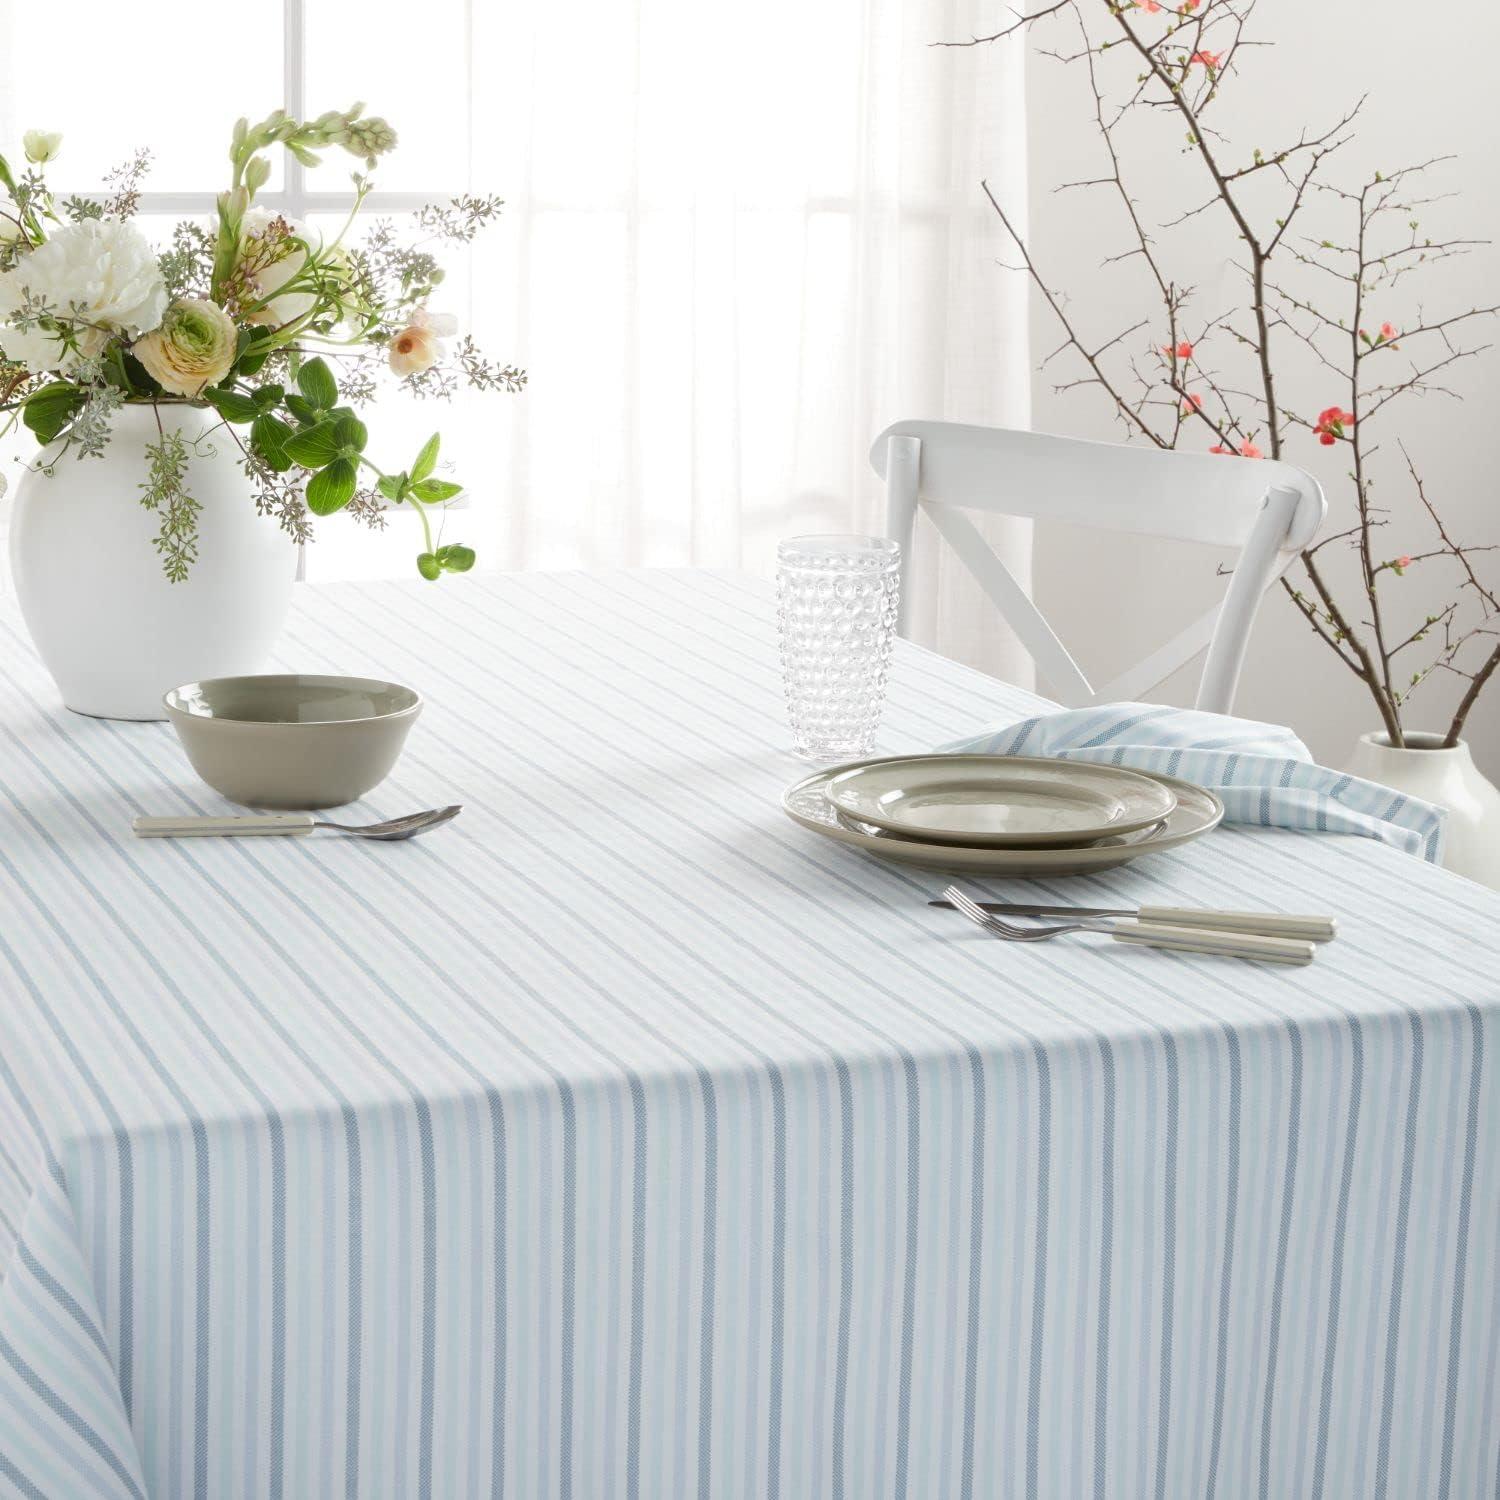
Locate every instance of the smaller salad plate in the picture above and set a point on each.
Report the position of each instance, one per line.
(999, 801)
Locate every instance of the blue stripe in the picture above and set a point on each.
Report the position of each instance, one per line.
(846, 1280)
(1039, 1268)
(1106, 1273)
(1461, 1249)
(973, 1331)
(1226, 1274)
(1169, 1267)
(28, 1490)
(1336, 1270)
(63, 1297)
(66, 1413)
(1283, 1239)
(1398, 1268)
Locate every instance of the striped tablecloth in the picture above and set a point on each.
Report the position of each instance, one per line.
(624, 1139)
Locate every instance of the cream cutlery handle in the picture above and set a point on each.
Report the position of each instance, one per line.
(1225, 944)
(1269, 923)
(189, 828)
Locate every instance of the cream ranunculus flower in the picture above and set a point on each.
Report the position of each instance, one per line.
(98, 278)
(419, 345)
(41, 145)
(274, 265)
(193, 348)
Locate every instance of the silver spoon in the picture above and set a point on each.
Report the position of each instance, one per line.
(291, 824)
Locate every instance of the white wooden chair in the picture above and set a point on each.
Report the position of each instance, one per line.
(1269, 510)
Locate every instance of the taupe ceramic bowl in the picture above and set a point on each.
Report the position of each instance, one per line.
(292, 742)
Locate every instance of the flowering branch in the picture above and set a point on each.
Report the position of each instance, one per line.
(1174, 61)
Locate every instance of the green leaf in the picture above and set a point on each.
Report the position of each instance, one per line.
(393, 487)
(427, 458)
(456, 558)
(232, 406)
(140, 378)
(304, 411)
(314, 446)
(251, 350)
(433, 490)
(351, 433)
(268, 437)
(315, 381)
(50, 409)
(114, 369)
(267, 397)
(428, 566)
(332, 488)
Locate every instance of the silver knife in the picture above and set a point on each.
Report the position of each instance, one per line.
(1268, 923)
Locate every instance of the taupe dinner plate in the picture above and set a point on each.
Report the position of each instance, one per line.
(999, 801)
(1197, 811)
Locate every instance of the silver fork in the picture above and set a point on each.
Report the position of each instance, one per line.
(292, 825)
(1147, 934)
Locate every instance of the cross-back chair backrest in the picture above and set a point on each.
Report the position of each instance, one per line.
(1266, 509)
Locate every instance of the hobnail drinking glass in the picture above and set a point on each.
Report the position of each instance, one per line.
(836, 602)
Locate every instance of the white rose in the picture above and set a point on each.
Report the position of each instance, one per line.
(41, 145)
(287, 260)
(193, 348)
(99, 276)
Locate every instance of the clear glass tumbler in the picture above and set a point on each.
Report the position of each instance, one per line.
(836, 602)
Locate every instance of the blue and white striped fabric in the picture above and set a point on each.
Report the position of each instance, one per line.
(1263, 773)
(625, 1139)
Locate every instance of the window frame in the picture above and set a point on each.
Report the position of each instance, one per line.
(292, 200)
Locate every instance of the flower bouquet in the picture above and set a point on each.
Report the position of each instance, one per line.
(231, 360)
(245, 318)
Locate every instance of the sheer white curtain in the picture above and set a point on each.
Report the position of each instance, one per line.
(736, 244)
(739, 243)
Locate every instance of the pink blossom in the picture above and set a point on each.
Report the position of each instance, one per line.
(1249, 450)
(1332, 421)
(1207, 59)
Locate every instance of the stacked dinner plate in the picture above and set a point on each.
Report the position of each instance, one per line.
(1001, 815)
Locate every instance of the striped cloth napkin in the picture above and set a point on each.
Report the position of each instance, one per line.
(1263, 772)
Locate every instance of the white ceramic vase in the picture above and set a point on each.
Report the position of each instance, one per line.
(111, 629)
(1450, 779)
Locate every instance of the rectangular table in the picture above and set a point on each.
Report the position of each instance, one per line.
(624, 1139)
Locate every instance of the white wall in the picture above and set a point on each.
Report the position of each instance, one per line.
(1431, 91)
